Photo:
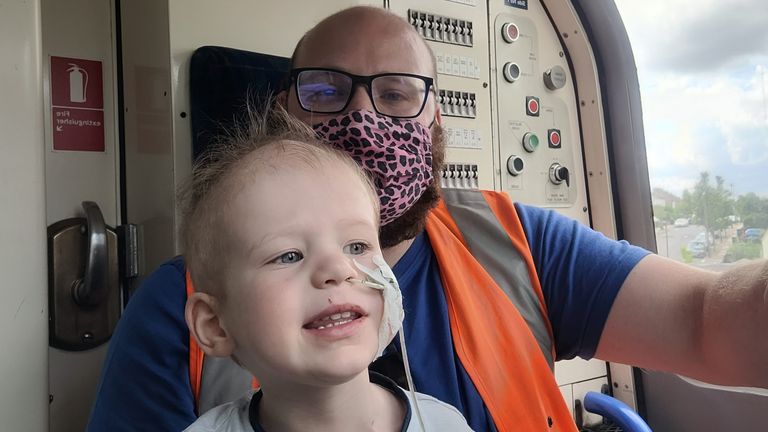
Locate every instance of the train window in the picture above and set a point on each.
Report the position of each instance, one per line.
(703, 71)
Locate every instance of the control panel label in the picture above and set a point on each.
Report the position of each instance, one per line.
(520, 4)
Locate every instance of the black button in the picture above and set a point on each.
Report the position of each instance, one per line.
(550, 422)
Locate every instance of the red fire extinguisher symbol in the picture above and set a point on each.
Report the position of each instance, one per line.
(78, 83)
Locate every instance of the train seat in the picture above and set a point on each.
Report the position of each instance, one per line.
(223, 81)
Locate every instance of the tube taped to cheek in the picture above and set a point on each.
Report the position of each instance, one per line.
(392, 317)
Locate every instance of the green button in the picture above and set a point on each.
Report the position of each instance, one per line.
(530, 142)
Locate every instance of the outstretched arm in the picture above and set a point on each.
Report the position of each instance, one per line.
(710, 326)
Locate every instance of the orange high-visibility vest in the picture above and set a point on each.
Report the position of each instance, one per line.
(496, 311)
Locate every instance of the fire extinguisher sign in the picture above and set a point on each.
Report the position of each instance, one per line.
(77, 104)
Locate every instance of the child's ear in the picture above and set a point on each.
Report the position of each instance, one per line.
(205, 325)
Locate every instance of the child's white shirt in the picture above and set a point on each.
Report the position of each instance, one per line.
(438, 416)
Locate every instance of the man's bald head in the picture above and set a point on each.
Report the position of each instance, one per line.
(365, 26)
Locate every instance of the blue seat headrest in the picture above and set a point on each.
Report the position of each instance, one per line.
(223, 81)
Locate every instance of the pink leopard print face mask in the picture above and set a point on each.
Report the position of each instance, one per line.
(397, 153)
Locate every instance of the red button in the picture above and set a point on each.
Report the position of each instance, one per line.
(533, 106)
(510, 32)
(554, 138)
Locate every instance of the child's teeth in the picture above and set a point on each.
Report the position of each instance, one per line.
(334, 324)
(335, 316)
(346, 314)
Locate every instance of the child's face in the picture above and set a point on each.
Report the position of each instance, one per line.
(289, 307)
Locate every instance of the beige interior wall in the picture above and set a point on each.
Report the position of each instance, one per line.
(23, 309)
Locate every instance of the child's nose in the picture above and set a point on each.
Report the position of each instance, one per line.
(333, 271)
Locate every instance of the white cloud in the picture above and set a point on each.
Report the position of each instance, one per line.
(703, 94)
(697, 36)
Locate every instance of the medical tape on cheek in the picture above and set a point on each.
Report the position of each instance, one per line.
(383, 279)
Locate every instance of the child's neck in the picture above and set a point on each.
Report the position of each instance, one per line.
(357, 405)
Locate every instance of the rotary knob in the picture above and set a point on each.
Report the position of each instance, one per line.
(554, 78)
(559, 174)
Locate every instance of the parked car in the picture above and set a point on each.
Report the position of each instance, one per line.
(698, 249)
(681, 222)
(753, 234)
(704, 238)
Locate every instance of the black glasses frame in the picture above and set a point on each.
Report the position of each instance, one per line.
(365, 81)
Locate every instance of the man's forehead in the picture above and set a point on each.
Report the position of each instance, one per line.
(367, 46)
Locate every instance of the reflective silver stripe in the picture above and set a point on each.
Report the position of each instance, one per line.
(222, 381)
(490, 244)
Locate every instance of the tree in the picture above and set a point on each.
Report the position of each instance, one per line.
(710, 205)
(752, 210)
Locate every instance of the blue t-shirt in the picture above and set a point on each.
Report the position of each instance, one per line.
(145, 380)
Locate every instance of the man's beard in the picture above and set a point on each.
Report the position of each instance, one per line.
(412, 222)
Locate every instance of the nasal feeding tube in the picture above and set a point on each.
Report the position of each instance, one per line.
(383, 279)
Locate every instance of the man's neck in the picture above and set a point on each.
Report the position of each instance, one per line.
(393, 254)
(357, 405)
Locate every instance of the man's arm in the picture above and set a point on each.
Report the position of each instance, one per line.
(710, 326)
(145, 379)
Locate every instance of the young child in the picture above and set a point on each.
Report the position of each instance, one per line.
(281, 240)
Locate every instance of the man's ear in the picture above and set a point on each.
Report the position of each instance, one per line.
(282, 99)
(438, 116)
(202, 315)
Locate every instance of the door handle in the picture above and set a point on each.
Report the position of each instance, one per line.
(92, 289)
(83, 281)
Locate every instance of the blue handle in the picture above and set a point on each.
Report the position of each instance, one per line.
(616, 411)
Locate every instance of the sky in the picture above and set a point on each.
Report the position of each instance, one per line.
(703, 71)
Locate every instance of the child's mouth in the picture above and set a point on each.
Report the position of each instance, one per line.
(333, 320)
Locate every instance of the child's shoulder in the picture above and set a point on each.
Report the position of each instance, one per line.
(437, 415)
(229, 417)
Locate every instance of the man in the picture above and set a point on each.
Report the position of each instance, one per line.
(493, 293)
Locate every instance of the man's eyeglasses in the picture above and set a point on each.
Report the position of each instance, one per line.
(328, 91)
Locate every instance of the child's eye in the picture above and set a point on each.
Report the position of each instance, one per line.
(289, 258)
(357, 248)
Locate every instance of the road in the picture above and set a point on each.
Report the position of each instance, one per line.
(670, 240)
